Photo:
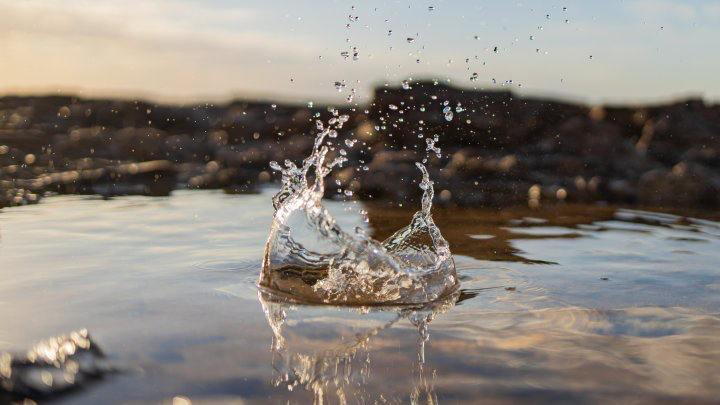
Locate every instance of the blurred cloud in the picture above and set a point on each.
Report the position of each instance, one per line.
(664, 9)
(181, 50)
(712, 10)
(131, 47)
(159, 19)
(153, 25)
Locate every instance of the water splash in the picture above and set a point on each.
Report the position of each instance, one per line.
(310, 258)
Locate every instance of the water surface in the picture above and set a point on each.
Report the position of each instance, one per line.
(570, 303)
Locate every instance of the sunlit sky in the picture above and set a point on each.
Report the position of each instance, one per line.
(184, 50)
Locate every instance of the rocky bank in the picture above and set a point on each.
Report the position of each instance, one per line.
(497, 148)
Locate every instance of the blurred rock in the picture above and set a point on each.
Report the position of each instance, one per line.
(495, 148)
(685, 185)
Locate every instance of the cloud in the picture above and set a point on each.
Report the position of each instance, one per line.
(171, 50)
(193, 49)
(158, 25)
(663, 9)
(711, 10)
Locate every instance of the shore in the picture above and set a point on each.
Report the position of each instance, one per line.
(497, 149)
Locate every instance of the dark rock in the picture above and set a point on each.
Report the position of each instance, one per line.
(51, 368)
(498, 149)
(685, 185)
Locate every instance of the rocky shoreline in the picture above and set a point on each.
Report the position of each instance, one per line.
(497, 149)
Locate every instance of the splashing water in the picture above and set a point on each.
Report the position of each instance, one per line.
(310, 258)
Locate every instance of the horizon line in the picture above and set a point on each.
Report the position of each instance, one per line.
(291, 100)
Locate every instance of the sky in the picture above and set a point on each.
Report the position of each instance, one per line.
(179, 51)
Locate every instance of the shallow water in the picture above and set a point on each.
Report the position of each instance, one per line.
(570, 303)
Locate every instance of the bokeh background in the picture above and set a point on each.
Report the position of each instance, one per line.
(574, 100)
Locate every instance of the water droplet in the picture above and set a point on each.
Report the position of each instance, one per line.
(410, 40)
(474, 77)
(350, 142)
(432, 147)
(393, 107)
(406, 85)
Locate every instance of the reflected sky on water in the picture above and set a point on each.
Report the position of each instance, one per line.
(570, 303)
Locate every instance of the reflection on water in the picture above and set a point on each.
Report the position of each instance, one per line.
(565, 304)
(576, 354)
(547, 355)
(327, 351)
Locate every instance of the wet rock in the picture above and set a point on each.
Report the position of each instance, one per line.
(621, 190)
(52, 367)
(23, 139)
(706, 156)
(684, 185)
(399, 166)
(228, 177)
(156, 178)
(496, 147)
